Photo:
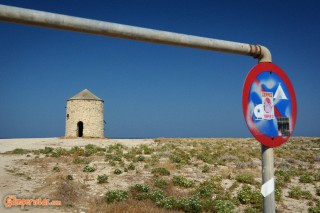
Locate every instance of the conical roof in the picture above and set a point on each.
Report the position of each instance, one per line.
(85, 95)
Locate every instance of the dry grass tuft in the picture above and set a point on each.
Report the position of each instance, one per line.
(98, 205)
(69, 192)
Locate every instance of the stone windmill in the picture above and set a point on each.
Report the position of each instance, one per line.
(85, 116)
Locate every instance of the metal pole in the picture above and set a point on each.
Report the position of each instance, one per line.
(64, 22)
(267, 174)
(267, 156)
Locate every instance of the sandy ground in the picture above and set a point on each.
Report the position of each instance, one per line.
(16, 184)
(30, 176)
(40, 143)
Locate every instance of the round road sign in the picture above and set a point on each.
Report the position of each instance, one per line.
(269, 104)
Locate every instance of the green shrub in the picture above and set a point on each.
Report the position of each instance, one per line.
(318, 191)
(140, 158)
(182, 181)
(154, 159)
(129, 156)
(214, 184)
(77, 151)
(146, 149)
(175, 159)
(122, 164)
(278, 193)
(19, 151)
(160, 171)
(223, 206)
(112, 163)
(251, 210)
(117, 148)
(91, 149)
(160, 183)
(316, 176)
(46, 150)
(245, 178)
(116, 196)
(56, 169)
(108, 156)
(244, 195)
(69, 177)
(249, 196)
(141, 188)
(36, 152)
(89, 152)
(117, 158)
(61, 151)
(55, 154)
(191, 204)
(306, 178)
(179, 156)
(90, 146)
(314, 210)
(102, 178)
(233, 186)
(142, 196)
(80, 160)
(117, 171)
(88, 168)
(282, 177)
(168, 203)
(256, 199)
(207, 157)
(205, 191)
(297, 193)
(207, 205)
(157, 195)
(131, 166)
(206, 168)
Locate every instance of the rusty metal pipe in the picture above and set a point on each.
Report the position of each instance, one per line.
(64, 22)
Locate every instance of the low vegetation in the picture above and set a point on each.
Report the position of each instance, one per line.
(182, 175)
(182, 181)
(116, 196)
(102, 178)
(297, 193)
(88, 168)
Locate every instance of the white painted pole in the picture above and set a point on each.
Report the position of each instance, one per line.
(268, 175)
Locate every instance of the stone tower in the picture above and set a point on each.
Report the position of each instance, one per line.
(85, 116)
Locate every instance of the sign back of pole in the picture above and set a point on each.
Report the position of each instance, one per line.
(269, 104)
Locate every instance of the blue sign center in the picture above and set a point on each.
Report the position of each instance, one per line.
(270, 105)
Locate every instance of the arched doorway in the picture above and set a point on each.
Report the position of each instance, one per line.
(80, 129)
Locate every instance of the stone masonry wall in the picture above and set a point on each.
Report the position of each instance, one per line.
(90, 112)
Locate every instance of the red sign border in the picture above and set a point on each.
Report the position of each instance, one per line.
(251, 77)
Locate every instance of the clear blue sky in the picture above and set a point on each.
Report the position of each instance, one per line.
(153, 90)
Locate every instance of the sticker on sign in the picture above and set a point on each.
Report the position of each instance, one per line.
(265, 110)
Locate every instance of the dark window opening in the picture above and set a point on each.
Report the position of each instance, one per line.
(67, 116)
(80, 129)
(283, 126)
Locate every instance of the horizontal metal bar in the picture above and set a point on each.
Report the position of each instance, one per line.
(64, 22)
